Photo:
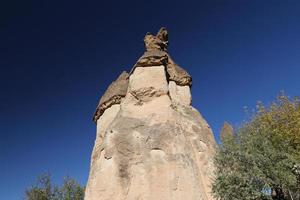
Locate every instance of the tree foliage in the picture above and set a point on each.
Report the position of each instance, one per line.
(44, 189)
(262, 159)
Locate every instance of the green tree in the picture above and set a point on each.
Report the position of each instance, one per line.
(71, 190)
(261, 160)
(44, 189)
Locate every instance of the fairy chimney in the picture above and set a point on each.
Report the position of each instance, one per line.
(151, 144)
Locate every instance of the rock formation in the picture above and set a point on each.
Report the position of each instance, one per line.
(151, 144)
(226, 131)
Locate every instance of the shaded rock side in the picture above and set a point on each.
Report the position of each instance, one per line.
(153, 145)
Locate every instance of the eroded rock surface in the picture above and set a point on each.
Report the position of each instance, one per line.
(113, 95)
(177, 74)
(226, 131)
(156, 54)
(152, 145)
(180, 94)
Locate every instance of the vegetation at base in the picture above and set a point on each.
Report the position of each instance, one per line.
(261, 160)
(44, 189)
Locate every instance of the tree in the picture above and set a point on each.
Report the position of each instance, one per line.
(43, 189)
(261, 160)
(71, 190)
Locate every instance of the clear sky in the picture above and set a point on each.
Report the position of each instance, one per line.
(58, 57)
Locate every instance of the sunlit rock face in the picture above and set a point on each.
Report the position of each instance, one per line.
(226, 131)
(151, 144)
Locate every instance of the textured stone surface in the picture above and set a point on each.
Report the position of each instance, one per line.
(102, 124)
(148, 83)
(152, 58)
(180, 94)
(226, 131)
(177, 74)
(156, 54)
(113, 95)
(151, 148)
(153, 145)
(158, 42)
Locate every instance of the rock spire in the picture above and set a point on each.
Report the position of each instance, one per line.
(226, 131)
(151, 144)
(156, 54)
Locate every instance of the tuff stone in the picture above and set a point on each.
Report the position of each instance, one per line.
(180, 94)
(156, 54)
(152, 58)
(158, 42)
(177, 74)
(113, 95)
(226, 131)
(152, 144)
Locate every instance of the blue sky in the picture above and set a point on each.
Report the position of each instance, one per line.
(58, 57)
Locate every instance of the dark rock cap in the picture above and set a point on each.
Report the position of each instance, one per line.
(113, 95)
(177, 74)
(155, 55)
(152, 58)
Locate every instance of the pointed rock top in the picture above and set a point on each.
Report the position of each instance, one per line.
(156, 54)
(158, 41)
(227, 130)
